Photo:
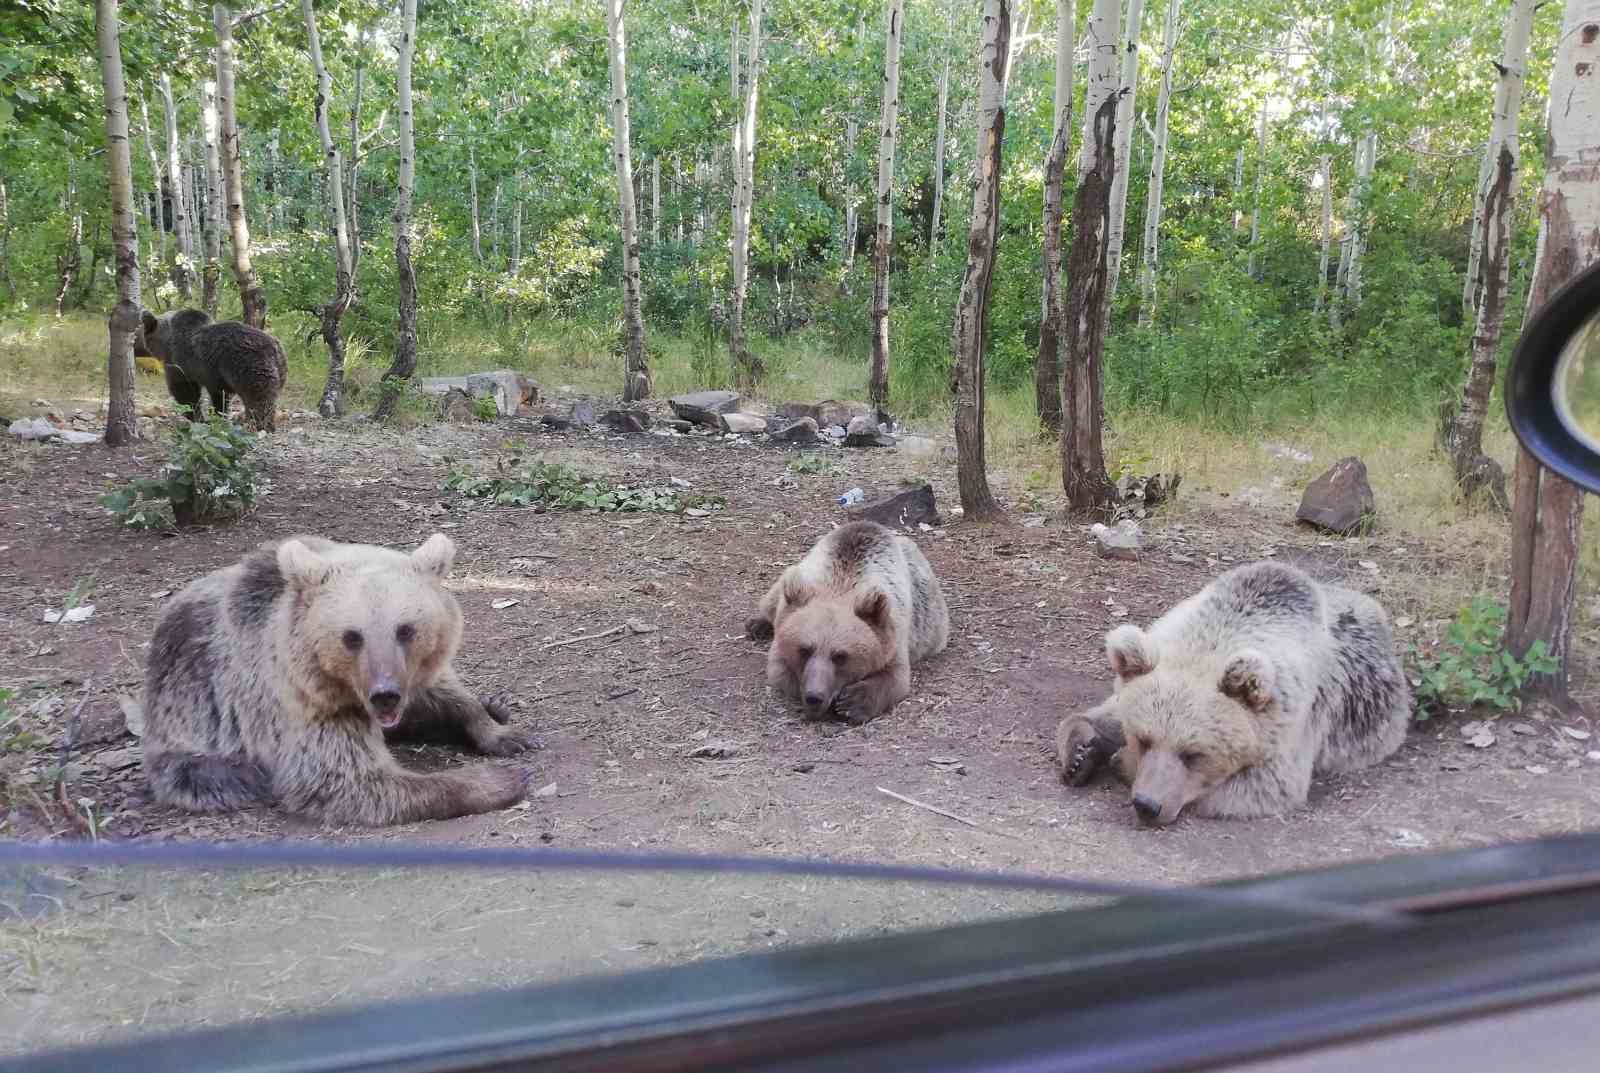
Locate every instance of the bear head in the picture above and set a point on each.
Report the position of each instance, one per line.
(1186, 731)
(372, 628)
(150, 341)
(824, 643)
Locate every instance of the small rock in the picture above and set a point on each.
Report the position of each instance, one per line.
(501, 605)
(863, 432)
(803, 430)
(556, 424)
(547, 790)
(117, 759)
(704, 407)
(1537, 769)
(1576, 734)
(803, 768)
(582, 414)
(1523, 728)
(743, 423)
(918, 446)
(1406, 838)
(1340, 500)
(1123, 542)
(714, 750)
(909, 509)
(626, 420)
(1478, 735)
(457, 407)
(677, 424)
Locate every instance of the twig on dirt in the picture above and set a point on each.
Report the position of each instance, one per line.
(619, 694)
(553, 696)
(71, 738)
(584, 637)
(936, 810)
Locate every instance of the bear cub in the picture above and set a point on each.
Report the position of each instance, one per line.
(1230, 702)
(847, 622)
(282, 677)
(224, 359)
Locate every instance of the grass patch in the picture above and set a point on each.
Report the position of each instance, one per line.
(531, 483)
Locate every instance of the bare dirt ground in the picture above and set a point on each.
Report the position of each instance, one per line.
(620, 716)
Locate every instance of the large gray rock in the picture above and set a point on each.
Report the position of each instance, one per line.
(794, 411)
(626, 420)
(705, 407)
(801, 431)
(863, 432)
(1125, 541)
(1340, 500)
(834, 412)
(457, 407)
(744, 423)
(907, 510)
(509, 389)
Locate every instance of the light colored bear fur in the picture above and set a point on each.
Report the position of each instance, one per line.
(280, 677)
(849, 620)
(1231, 701)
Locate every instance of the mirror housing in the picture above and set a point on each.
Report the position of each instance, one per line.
(1534, 387)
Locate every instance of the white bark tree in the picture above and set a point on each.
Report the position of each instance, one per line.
(747, 366)
(332, 313)
(251, 296)
(182, 209)
(404, 364)
(211, 270)
(1128, 86)
(1547, 520)
(1149, 267)
(1261, 175)
(124, 322)
(936, 225)
(883, 235)
(472, 189)
(1325, 182)
(636, 369)
(1047, 366)
(158, 210)
(1366, 160)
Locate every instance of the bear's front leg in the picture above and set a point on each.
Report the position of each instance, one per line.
(863, 701)
(449, 710)
(762, 625)
(1083, 745)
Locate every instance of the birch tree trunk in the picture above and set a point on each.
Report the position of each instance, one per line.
(1083, 466)
(702, 177)
(477, 223)
(636, 369)
(211, 273)
(1047, 367)
(515, 264)
(332, 313)
(936, 225)
(183, 261)
(251, 296)
(494, 224)
(405, 341)
(972, 311)
(1150, 266)
(71, 258)
(124, 322)
(747, 367)
(1261, 174)
(1492, 252)
(852, 129)
(1325, 175)
(1547, 521)
(883, 236)
(158, 208)
(1128, 88)
(351, 201)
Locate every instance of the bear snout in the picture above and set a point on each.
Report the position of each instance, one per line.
(1148, 809)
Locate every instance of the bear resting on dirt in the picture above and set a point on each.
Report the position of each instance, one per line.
(1232, 699)
(279, 679)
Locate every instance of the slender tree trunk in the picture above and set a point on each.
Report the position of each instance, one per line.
(158, 207)
(494, 225)
(936, 225)
(251, 296)
(852, 129)
(702, 178)
(515, 266)
(5, 240)
(636, 367)
(972, 311)
(1261, 175)
(1492, 251)
(477, 224)
(1547, 522)
(183, 262)
(211, 274)
(1083, 467)
(747, 367)
(1360, 195)
(1150, 266)
(351, 201)
(1128, 86)
(275, 182)
(883, 237)
(405, 339)
(120, 426)
(333, 312)
(1325, 175)
(70, 261)
(1238, 187)
(1047, 367)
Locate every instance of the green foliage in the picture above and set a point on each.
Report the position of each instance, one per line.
(486, 409)
(208, 476)
(815, 465)
(520, 482)
(15, 735)
(1471, 667)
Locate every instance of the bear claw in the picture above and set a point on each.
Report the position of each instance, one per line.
(1084, 754)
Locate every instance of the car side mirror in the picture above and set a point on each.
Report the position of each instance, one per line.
(1553, 386)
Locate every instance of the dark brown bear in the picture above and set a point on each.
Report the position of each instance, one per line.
(224, 359)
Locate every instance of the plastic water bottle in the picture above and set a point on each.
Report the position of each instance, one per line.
(852, 497)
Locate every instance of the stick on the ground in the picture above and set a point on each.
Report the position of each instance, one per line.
(584, 637)
(71, 736)
(933, 808)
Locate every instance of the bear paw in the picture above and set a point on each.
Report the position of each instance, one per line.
(758, 629)
(498, 705)
(1084, 750)
(858, 704)
(502, 787)
(510, 743)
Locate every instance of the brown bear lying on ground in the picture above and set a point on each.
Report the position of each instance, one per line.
(280, 678)
(849, 620)
(1232, 699)
(224, 359)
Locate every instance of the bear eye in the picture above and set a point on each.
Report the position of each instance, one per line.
(352, 640)
(840, 658)
(1190, 759)
(806, 652)
(404, 633)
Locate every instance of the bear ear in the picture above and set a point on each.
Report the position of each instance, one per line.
(1248, 678)
(796, 593)
(1129, 652)
(436, 555)
(873, 609)
(149, 322)
(302, 567)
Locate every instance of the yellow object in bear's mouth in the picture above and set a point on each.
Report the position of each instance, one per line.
(148, 366)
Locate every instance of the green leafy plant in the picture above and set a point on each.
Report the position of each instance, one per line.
(208, 475)
(15, 737)
(1470, 666)
(814, 465)
(485, 408)
(527, 483)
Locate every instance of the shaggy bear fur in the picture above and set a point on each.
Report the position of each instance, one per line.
(281, 677)
(849, 620)
(1230, 702)
(224, 359)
